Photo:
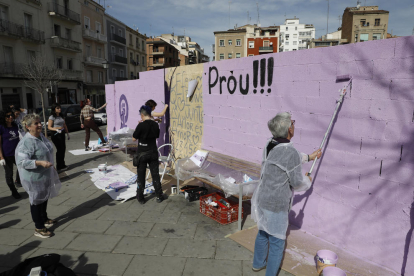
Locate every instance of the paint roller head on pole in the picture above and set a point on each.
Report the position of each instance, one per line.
(343, 78)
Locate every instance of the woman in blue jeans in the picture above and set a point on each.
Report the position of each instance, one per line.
(281, 174)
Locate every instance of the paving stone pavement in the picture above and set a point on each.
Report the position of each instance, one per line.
(98, 236)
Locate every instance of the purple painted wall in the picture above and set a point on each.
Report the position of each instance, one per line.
(136, 93)
(362, 195)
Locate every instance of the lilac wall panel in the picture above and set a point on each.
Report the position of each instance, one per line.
(362, 197)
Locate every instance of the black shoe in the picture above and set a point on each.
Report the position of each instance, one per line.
(16, 195)
(87, 148)
(17, 184)
(63, 169)
(142, 201)
(160, 199)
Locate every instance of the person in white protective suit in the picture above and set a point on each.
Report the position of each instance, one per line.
(281, 173)
(34, 159)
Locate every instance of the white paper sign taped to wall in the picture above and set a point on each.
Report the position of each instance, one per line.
(199, 157)
(191, 88)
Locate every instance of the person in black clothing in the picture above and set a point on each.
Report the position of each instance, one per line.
(147, 133)
(58, 127)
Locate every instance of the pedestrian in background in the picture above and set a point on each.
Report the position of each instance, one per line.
(34, 158)
(19, 113)
(281, 174)
(58, 127)
(88, 122)
(9, 138)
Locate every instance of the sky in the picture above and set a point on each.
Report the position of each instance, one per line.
(199, 19)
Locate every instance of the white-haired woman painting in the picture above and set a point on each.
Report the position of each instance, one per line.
(34, 158)
(281, 174)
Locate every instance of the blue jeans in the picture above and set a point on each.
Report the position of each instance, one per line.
(268, 255)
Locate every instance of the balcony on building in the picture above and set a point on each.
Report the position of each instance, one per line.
(70, 74)
(36, 2)
(116, 59)
(64, 13)
(118, 39)
(66, 44)
(94, 61)
(158, 64)
(11, 70)
(157, 52)
(268, 49)
(18, 31)
(120, 79)
(94, 35)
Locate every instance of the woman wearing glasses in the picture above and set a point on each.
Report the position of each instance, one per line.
(58, 127)
(9, 138)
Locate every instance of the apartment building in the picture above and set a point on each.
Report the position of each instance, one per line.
(161, 54)
(137, 52)
(116, 49)
(230, 44)
(94, 43)
(262, 40)
(295, 36)
(190, 51)
(36, 28)
(363, 23)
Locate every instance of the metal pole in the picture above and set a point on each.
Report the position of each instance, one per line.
(240, 207)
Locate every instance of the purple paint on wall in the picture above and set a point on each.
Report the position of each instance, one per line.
(123, 110)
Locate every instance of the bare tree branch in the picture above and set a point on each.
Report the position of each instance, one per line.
(39, 76)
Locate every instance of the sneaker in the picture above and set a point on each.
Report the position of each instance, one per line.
(43, 233)
(50, 222)
(258, 269)
(160, 199)
(16, 195)
(17, 184)
(87, 148)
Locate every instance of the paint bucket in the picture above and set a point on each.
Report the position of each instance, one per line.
(102, 168)
(333, 271)
(325, 258)
(173, 190)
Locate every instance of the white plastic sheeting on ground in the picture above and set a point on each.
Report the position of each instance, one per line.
(117, 173)
(186, 169)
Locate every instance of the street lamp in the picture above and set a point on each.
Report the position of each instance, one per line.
(105, 64)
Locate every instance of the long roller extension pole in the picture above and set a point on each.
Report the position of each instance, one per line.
(339, 102)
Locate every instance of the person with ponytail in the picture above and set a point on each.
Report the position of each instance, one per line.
(147, 133)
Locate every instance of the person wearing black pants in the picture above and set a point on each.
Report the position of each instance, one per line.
(39, 215)
(147, 133)
(9, 139)
(57, 124)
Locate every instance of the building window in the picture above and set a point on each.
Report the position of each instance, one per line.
(121, 73)
(266, 43)
(295, 35)
(230, 42)
(376, 36)
(143, 47)
(100, 77)
(221, 42)
(377, 22)
(113, 51)
(137, 42)
(31, 55)
(364, 23)
(238, 42)
(86, 3)
(287, 37)
(296, 28)
(56, 29)
(251, 44)
(98, 27)
(59, 63)
(99, 52)
(87, 22)
(88, 50)
(287, 28)
(131, 57)
(121, 52)
(70, 64)
(68, 34)
(238, 55)
(295, 42)
(130, 39)
(363, 37)
(112, 29)
(230, 55)
(120, 33)
(89, 76)
(251, 55)
(221, 56)
(143, 61)
(114, 73)
(287, 43)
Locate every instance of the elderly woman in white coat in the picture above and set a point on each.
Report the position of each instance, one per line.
(281, 174)
(34, 158)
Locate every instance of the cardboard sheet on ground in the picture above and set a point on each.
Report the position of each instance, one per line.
(117, 173)
(301, 248)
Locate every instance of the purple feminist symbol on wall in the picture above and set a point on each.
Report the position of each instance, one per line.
(123, 110)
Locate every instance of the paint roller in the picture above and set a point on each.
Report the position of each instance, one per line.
(342, 93)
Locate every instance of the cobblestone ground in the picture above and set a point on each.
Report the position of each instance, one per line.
(98, 236)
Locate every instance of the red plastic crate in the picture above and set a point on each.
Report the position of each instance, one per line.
(223, 215)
